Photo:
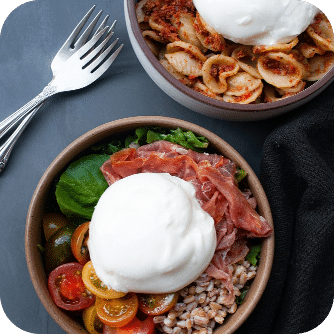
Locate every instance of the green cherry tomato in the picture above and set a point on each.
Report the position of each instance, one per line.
(52, 222)
(58, 248)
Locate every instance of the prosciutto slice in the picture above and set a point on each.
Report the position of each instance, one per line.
(212, 175)
(242, 213)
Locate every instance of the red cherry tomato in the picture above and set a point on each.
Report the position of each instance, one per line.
(155, 304)
(134, 327)
(67, 288)
(79, 243)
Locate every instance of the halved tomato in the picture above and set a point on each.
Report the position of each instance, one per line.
(136, 326)
(79, 245)
(96, 286)
(155, 304)
(117, 312)
(67, 288)
(91, 321)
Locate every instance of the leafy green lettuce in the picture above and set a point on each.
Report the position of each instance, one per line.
(81, 185)
(240, 174)
(185, 138)
(149, 134)
(239, 299)
(253, 255)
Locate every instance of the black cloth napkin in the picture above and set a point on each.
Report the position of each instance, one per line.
(297, 173)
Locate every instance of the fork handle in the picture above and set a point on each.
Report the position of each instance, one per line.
(7, 147)
(12, 120)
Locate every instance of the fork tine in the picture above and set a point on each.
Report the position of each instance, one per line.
(108, 62)
(109, 32)
(98, 49)
(102, 25)
(111, 29)
(103, 55)
(83, 38)
(77, 29)
(85, 48)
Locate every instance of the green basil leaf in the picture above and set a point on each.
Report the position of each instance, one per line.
(81, 185)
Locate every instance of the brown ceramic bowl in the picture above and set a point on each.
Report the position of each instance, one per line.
(34, 232)
(201, 103)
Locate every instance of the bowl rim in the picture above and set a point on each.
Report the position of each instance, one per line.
(33, 230)
(231, 107)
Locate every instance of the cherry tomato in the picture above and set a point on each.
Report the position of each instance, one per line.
(91, 321)
(155, 304)
(67, 288)
(136, 326)
(117, 312)
(52, 222)
(58, 248)
(79, 243)
(96, 286)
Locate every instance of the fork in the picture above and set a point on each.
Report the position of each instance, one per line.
(67, 60)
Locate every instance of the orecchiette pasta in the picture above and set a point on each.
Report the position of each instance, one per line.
(201, 88)
(296, 54)
(242, 83)
(246, 98)
(309, 50)
(152, 39)
(139, 11)
(185, 58)
(215, 71)
(184, 63)
(199, 57)
(271, 94)
(193, 50)
(280, 69)
(187, 31)
(276, 47)
(322, 34)
(208, 36)
(292, 90)
(179, 76)
(247, 60)
(319, 66)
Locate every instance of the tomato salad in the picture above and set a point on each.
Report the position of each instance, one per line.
(72, 281)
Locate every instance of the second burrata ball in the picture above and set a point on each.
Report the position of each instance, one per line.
(260, 22)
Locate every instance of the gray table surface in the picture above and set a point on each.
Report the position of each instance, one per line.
(30, 38)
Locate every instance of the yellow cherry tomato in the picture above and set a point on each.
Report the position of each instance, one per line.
(156, 304)
(96, 286)
(117, 312)
(91, 321)
(79, 243)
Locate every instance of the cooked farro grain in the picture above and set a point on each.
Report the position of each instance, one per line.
(202, 304)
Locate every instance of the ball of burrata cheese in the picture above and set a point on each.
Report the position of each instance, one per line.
(260, 22)
(149, 234)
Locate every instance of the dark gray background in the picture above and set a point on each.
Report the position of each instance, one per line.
(30, 38)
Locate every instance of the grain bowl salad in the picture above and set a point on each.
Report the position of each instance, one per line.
(152, 232)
